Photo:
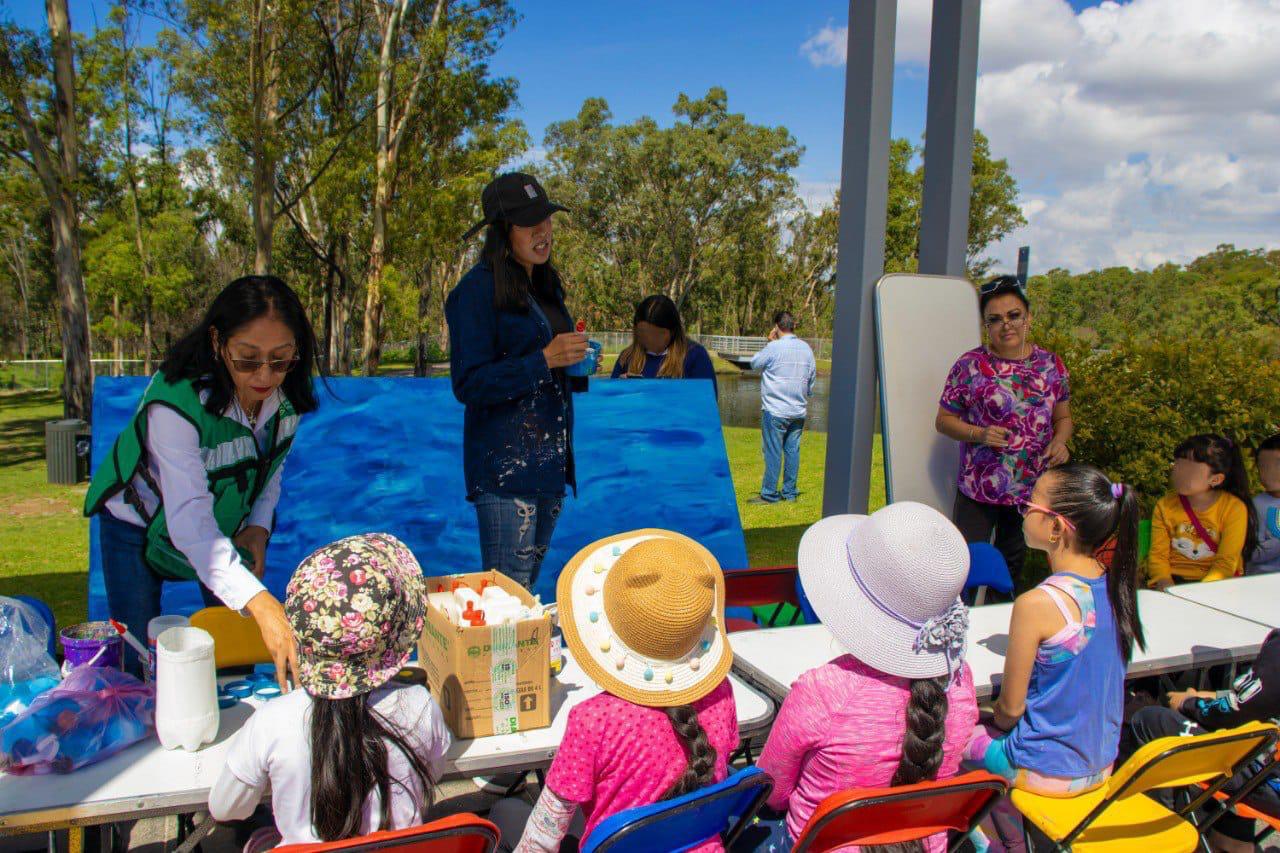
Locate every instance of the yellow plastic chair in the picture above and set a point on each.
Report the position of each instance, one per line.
(236, 639)
(1116, 817)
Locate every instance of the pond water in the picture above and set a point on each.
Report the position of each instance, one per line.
(740, 401)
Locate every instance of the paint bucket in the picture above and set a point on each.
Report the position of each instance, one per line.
(91, 644)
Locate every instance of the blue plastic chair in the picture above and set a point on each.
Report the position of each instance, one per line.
(810, 618)
(723, 810)
(45, 613)
(987, 569)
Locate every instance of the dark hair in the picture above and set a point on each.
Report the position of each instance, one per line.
(658, 310)
(349, 760)
(921, 746)
(1084, 496)
(1223, 456)
(1000, 286)
(701, 755)
(240, 302)
(785, 321)
(510, 282)
(1272, 443)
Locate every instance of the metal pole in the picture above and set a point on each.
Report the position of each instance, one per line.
(1024, 264)
(864, 192)
(948, 139)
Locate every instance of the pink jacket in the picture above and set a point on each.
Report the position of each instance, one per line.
(841, 727)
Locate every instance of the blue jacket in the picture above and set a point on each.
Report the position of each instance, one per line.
(518, 427)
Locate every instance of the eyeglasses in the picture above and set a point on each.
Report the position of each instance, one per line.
(250, 365)
(1027, 507)
(1013, 318)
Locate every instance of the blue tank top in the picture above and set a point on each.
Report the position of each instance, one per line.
(1075, 701)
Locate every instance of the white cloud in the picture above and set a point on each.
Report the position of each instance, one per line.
(1139, 132)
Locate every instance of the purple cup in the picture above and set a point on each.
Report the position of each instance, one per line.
(91, 644)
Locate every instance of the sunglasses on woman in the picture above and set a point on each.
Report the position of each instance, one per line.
(1003, 282)
(250, 365)
(1027, 507)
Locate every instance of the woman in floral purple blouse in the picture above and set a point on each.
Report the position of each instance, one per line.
(1007, 401)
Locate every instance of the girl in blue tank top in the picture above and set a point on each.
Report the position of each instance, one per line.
(1057, 721)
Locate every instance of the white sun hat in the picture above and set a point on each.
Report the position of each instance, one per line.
(887, 586)
(643, 615)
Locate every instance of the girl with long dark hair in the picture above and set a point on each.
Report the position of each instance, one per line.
(1070, 639)
(351, 752)
(512, 346)
(1205, 528)
(899, 705)
(190, 488)
(660, 349)
(641, 614)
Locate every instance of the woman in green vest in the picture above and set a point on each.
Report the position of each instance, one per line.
(190, 488)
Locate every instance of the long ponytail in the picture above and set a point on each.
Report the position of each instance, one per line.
(1103, 512)
(699, 772)
(349, 761)
(922, 742)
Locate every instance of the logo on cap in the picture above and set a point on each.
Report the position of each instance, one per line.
(532, 193)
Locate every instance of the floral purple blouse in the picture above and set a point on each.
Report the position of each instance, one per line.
(986, 390)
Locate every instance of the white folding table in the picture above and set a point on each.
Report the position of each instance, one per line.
(1180, 635)
(1256, 598)
(147, 780)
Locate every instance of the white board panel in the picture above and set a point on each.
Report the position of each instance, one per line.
(923, 324)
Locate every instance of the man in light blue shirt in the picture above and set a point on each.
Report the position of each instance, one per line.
(787, 371)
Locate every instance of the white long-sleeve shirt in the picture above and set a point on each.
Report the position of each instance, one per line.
(175, 463)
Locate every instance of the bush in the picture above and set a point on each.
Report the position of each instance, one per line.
(1133, 403)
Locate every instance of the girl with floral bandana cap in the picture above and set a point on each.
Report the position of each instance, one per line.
(351, 753)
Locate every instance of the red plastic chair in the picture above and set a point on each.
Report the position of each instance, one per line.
(459, 833)
(905, 813)
(757, 587)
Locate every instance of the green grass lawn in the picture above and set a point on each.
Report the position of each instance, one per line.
(44, 540)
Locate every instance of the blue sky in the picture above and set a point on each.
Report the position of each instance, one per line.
(1139, 132)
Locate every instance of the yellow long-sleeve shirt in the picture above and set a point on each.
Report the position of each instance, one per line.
(1178, 551)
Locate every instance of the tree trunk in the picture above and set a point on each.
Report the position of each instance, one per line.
(262, 75)
(421, 366)
(117, 351)
(148, 347)
(326, 353)
(77, 381)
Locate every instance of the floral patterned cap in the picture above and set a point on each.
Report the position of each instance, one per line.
(357, 610)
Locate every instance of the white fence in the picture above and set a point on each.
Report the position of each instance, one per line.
(43, 374)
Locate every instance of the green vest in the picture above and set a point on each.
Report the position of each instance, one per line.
(238, 471)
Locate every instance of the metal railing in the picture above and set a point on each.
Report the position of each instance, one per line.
(44, 374)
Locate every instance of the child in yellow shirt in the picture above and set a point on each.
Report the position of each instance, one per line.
(1205, 528)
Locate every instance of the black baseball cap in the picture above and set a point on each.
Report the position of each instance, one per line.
(516, 198)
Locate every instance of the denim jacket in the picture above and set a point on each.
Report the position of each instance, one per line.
(518, 425)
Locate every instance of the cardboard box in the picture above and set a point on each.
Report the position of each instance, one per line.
(493, 679)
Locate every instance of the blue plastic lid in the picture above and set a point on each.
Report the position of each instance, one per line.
(226, 701)
(267, 691)
(239, 689)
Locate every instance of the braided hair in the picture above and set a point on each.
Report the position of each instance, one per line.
(921, 746)
(701, 755)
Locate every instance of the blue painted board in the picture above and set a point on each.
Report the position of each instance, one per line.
(385, 454)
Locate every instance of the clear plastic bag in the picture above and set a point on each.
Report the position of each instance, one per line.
(26, 668)
(94, 713)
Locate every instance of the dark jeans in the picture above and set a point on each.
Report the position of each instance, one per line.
(133, 589)
(1157, 721)
(780, 442)
(976, 520)
(515, 534)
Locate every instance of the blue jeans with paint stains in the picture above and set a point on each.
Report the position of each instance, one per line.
(515, 534)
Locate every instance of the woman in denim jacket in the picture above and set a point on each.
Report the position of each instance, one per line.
(511, 338)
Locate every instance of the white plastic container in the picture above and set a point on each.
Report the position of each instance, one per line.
(155, 628)
(186, 689)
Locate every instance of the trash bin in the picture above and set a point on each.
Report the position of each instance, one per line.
(62, 463)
